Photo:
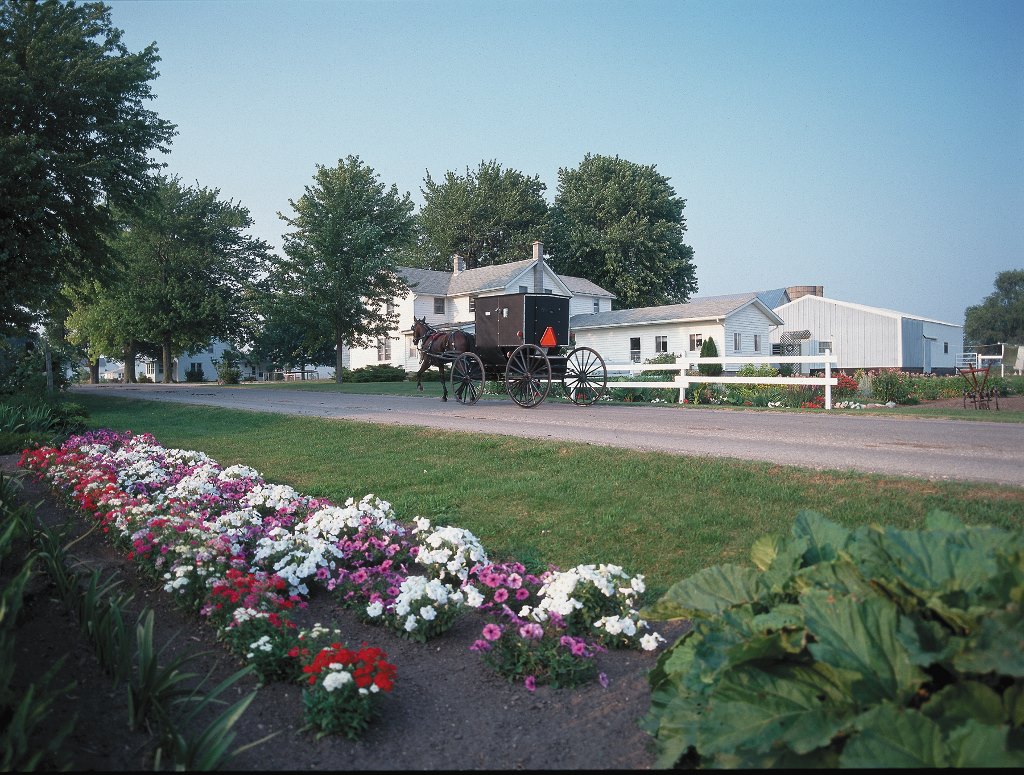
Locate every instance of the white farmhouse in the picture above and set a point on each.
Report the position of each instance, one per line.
(739, 323)
(862, 337)
(448, 300)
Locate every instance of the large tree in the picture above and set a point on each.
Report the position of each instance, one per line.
(488, 216)
(190, 272)
(621, 225)
(285, 340)
(75, 142)
(1000, 317)
(340, 263)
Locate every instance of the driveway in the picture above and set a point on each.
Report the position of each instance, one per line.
(899, 445)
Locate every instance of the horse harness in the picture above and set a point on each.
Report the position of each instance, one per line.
(447, 345)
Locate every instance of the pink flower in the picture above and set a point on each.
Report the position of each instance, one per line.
(522, 593)
(530, 683)
(531, 631)
(492, 631)
(501, 595)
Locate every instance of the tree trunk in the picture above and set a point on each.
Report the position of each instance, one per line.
(338, 357)
(129, 363)
(167, 360)
(94, 371)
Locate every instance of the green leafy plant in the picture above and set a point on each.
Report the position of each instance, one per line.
(154, 687)
(864, 648)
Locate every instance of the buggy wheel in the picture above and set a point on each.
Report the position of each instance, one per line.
(586, 376)
(468, 378)
(528, 375)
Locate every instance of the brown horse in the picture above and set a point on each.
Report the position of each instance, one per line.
(438, 348)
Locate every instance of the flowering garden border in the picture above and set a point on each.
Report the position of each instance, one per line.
(242, 553)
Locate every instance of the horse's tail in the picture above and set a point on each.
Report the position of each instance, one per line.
(470, 342)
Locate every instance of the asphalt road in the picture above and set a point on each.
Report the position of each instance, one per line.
(915, 447)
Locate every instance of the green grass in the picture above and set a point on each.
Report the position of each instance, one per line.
(661, 515)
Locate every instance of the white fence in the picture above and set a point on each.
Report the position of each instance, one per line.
(684, 363)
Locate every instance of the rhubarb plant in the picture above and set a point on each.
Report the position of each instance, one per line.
(848, 648)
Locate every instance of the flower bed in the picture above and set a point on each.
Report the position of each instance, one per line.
(244, 553)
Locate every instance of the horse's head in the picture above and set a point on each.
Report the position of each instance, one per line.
(419, 330)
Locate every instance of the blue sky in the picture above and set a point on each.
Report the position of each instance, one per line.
(874, 148)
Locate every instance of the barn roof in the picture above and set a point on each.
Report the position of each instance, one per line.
(865, 308)
(698, 308)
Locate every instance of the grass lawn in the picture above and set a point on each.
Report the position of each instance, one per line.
(661, 515)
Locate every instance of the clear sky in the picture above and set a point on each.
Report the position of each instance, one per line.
(874, 148)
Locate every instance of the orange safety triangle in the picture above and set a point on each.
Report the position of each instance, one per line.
(549, 339)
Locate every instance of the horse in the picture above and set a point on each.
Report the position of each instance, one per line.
(438, 348)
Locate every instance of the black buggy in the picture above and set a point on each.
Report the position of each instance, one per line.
(522, 340)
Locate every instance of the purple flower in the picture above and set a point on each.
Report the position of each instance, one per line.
(531, 683)
(501, 595)
(522, 593)
(602, 679)
(492, 631)
(531, 631)
(480, 645)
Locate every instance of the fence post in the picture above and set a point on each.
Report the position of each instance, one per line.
(828, 377)
(683, 383)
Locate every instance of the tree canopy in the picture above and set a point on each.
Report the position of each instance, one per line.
(75, 143)
(189, 273)
(620, 225)
(488, 216)
(1000, 317)
(339, 269)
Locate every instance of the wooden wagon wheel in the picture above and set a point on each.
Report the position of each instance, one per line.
(528, 375)
(467, 378)
(586, 376)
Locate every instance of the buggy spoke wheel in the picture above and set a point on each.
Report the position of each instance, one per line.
(468, 378)
(586, 376)
(528, 375)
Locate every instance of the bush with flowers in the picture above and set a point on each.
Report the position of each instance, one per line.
(243, 553)
(343, 686)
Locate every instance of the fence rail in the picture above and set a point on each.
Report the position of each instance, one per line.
(685, 363)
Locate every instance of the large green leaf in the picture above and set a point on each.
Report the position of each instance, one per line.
(1013, 704)
(765, 549)
(860, 635)
(794, 706)
(979, 745)
(889, 736)
(710, 591)
(965, 701)
(997, 646)
(927, 641)
(825, 538)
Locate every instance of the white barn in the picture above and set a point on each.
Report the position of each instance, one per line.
(863, 337)
(740, 324)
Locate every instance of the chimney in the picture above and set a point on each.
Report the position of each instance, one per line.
(796, 291)
(538, 268)
(458, 264)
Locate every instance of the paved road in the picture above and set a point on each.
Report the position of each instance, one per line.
(915, 447)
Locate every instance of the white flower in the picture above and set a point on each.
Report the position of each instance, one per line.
(410, 624)
(336, 679)
(650, 641)
(428, 613)
(375, 609)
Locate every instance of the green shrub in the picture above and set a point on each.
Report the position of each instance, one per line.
(891, 385)
(854, 648)
(709, 350)
(383, 372)
(195, 373)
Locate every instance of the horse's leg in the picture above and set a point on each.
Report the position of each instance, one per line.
(444, 384)
(424, 365)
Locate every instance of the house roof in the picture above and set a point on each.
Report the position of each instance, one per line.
(430, 282)
(698, 308)
(865, 308)
(774, 298)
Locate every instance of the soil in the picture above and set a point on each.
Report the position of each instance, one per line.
(448, 711)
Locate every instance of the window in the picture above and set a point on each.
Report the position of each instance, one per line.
(384, 349)
(472, 303)
(634, 349)
(413, 352)
(548, 290)
(945, 348)
(660, 344)
(737, 342)
(523, 289)
(597, 305)
(823, 346)
(757, 343)
(777, 348)
(696, 340)
(439, 305)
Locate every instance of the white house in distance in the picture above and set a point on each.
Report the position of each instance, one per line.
(448, 300)
(739, 323)
(863, 337)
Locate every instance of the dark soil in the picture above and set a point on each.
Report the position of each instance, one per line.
(448, 710)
